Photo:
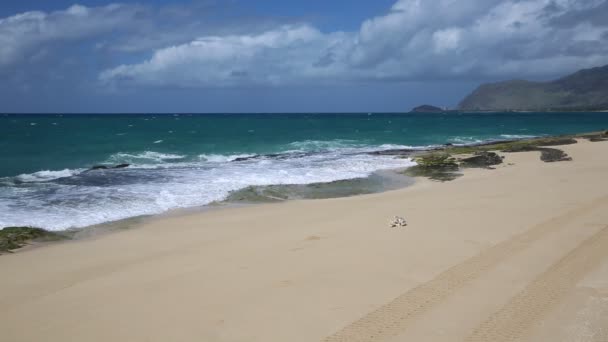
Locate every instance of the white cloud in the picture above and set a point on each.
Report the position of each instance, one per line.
(416, 39)
(278, 56)
(448, 39)
(22, 35)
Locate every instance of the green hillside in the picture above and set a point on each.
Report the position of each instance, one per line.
(584, 90)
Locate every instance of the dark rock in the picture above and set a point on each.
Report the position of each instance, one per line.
(276, 156)
(603, 136)
(482, 159)
(549, 155)
(105, 167)
(240, 159)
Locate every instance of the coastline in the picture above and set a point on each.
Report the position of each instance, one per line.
(378, 182)
(332, 269)
(194, 168)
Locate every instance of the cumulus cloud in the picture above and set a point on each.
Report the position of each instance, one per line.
(278, 56)
(117, 29)
(415, 40)
(27, 34)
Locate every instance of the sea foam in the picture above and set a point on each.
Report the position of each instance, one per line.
(73, 199)
(46, 175)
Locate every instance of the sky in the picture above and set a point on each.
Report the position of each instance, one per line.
(284, 56)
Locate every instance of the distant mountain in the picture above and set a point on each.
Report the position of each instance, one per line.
(427, 109)
(584, 90)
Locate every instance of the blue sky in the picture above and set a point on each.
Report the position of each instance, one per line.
(284, 56)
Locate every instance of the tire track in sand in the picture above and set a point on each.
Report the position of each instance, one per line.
(525, 309)
(394, 317)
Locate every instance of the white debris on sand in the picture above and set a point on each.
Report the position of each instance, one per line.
(398, 221)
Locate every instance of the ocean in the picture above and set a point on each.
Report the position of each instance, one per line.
(184, 161)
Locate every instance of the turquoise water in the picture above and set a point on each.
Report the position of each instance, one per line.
(191, 160)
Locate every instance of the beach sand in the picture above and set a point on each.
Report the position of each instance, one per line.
(519, 253)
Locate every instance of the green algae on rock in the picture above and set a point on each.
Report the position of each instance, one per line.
(443, 164)
(12, 238)
(483, 159)
(440, 167)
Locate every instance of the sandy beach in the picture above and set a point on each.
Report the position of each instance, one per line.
(519, 253)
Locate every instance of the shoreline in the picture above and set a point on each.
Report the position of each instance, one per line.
(409, 176)
(333, 269)
(386, 180)
(55, 194)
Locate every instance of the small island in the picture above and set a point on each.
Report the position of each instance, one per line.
(428, 109)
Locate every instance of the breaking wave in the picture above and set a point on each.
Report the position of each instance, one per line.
(156, 182)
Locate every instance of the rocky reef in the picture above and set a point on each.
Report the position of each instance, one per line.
(602, 136)
(483, 159)
(436, 166)
(106, 167)
(443, 164)
(12, 238)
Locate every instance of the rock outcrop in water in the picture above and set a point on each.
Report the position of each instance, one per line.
(105, 167)
(275, 156)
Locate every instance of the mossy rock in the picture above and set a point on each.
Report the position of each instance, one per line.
(12, 238)
(440, 175)
(437, 161)
(596, 139)
(539, 145)
(481, 159)
(554, 141)
(435, 166)
(602, 136)
(549, 155)
(512, 146)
